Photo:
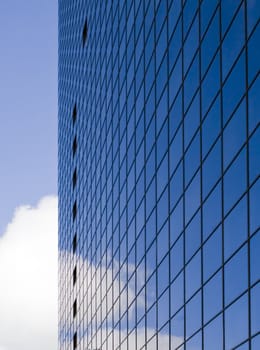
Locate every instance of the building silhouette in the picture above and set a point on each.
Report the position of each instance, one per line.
(159, 175)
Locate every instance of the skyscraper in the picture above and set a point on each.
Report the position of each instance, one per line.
(159, 190)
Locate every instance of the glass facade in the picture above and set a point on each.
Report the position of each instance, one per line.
(159, 189)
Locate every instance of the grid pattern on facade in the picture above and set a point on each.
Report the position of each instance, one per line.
(159, 120)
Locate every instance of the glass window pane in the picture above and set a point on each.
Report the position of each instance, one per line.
(193, 236)
(236, 275)
(195, 342)
(210, 42)
(211, 169)
(176, 222)
(212, 297)
(193, 275)
(255, 344)
(234, 88)
(176, 256)
(176, 185)
(193, 315)
(191, 121)
(192, 197)
(211, 84)
(234, 185)
(177, 294)
(253, 54)
(213, 335)
(253, 13)
(235, 228)
(236, 322)
(191, 44)
(211, 127)
(254, 206)
(177, 328)
(254, 155)
(192, 159)
(191, 82)
(212, 211)
(255, 307)
(212, 254)
(228, 8)
(234, 134)
(255, 257)
(233, 42)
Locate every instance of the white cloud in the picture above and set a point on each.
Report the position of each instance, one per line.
(28, 275)
(104, 297)
(135, 341)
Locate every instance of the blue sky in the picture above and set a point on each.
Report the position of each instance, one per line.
(28, 186)
(28, 100)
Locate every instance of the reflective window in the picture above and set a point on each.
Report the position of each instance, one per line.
(163, 245)
(236, 275)
(213, 334)
(212, 211)
(211, 127)
(193, 310)
(255, 307)
(191, 82)
(234, 134)
(212, 254)
(254, 206)
(177, 294)
(234, 185)
(210, 42)
(210, 85)
(192, 197)
(254, 257)
(195, 342)
(175, 45)
(211, 169)
(254, 155)
(228, 8)
(191, 44)
(254, 105)
(253, 54)
(236, 322)
(212, 297)
(176, 256)
(207, 10)
(192, 159)
(253, 12)
(176, 185)
(255, 344)
(233, 41)
(176, 221)
(177, 327)
(235, 228)
(193, 236)
(234, 88)
(175, 115)
(191, 121)
(193, 275)
(175, 80)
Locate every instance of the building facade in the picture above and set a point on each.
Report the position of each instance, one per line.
(159, 190)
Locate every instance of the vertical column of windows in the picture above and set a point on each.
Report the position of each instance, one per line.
(74, 214)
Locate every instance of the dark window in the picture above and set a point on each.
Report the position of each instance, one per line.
(74, 178)
(75, 308)
(85, 33)
(75, 340)
(74, 114)
(74, 243)
(74, 275)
